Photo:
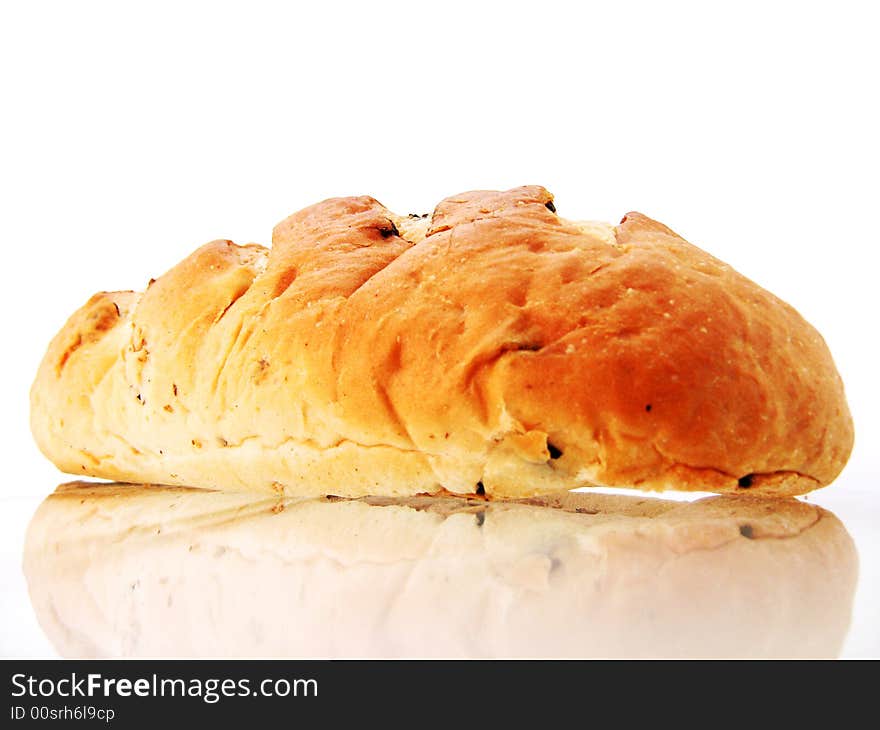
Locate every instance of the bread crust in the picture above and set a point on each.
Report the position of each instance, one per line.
(126, 570)
(494, 347)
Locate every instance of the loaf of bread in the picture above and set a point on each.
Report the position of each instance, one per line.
(493, 347)
(125, 570)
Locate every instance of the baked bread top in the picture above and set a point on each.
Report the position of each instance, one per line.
(494, 347)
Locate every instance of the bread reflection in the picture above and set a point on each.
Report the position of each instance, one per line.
(123, 570)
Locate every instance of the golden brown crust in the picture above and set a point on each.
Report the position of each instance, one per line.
(510, 351)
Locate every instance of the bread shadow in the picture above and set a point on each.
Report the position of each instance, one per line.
(131, 570)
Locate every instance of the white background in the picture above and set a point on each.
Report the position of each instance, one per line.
(131, 133)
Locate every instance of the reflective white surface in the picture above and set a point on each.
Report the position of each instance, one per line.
(853, 505)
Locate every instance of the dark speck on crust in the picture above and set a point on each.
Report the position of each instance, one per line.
(528, 346)
(746, 481)
(747, 531)
(389, 230)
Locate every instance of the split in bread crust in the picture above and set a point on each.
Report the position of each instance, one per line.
(494, 347)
